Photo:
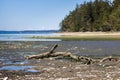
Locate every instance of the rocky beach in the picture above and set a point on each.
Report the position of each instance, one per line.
(14, 65)
(59, 39)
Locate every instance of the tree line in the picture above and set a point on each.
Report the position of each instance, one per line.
(98, 15)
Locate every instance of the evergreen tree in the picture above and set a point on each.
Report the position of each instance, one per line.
(99, 15)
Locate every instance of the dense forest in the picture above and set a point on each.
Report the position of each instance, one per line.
(98, 15)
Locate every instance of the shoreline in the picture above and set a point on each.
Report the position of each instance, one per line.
(84, 36)
(89, 33)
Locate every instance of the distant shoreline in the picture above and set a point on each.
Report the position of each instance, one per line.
(88, 33)
(81, 36)
(86, 36)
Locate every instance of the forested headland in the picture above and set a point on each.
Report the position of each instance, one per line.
(98, 15)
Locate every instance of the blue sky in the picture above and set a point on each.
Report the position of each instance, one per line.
(34, 14)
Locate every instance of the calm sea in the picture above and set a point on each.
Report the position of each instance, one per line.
(15, 36)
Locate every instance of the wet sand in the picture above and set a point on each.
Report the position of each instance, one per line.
(13, 54)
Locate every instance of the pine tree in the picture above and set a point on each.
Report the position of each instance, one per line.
(99, 15)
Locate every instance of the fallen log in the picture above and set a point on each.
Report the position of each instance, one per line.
(82, 59)
(56, 54)
(43, 55)
(65, 54)
(52, 54)
(86, 60)
(110, 58)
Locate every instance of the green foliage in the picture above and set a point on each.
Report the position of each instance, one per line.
(100, 15)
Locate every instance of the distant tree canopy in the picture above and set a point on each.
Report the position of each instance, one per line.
(100, 15)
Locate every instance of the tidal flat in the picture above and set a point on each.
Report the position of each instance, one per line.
(14, 66)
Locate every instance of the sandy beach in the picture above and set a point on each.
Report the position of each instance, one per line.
(84, 36)
(89, 33)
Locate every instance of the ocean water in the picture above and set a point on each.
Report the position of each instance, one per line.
(26, 37)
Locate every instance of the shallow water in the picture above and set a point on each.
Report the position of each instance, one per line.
(25, 37)
(89, 48)
(15, 62)
(16, 68)
(11, 56)
(95, 48)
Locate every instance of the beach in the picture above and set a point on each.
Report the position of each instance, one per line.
(14, 65)
(60, 40)
(86, 36)
(89, 33)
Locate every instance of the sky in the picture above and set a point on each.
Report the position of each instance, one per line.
(34, 14)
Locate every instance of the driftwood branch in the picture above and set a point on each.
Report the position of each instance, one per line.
(82, 59)
(86, 60)
(52, 54)
(53, 48)
(43, 55)
(110, 58)
(65, 54)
